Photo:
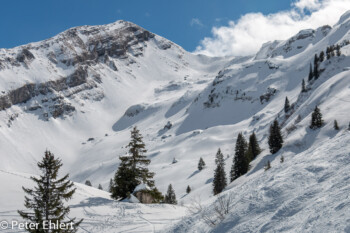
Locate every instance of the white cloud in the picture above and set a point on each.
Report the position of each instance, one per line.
(246, 35)
(196, 22)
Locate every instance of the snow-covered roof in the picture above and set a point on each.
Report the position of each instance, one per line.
(141, 187)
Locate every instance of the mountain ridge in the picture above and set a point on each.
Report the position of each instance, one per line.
(186, 106)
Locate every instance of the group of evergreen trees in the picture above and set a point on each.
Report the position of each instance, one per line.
(244, 154)
(333, 50)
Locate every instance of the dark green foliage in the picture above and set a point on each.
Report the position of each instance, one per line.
(156, 195)
(338, 50)
(170, 197)
(100, 187)
(336, 127)
(303, 88)
(240, 164)
(267, 165)
(253, 148)
(124, 180)
(328, 53)
(88, 183)
(316, 119)
(110, 186)
(316, 60)
(201, 164)
(188, 189)
(275, 138)
(46, 200)
(321, 57)
(311, 73)
(316, 71)
(133, 169)
(219, 181)
(286, 105)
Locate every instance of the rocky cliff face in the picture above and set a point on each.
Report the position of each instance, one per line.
(74, 51)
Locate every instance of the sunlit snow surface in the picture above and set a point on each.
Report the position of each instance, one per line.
(309, 192)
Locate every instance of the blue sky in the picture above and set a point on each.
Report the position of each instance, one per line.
(186, 22)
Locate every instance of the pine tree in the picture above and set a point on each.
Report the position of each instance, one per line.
(338, 50)
(100, 187)
(240, 164)
(253, 148)
(268, 165)
(332, 50)
(275, 138)
(46, 200)
(170, 197)
(286, 105)
(201, 164)
(188, 189)
(321, 57)
(133, 168)
(124, 181)
(219, 181)
(110, 186)
(316, 119)
(88, 183)
(303, 88)
(311, 73)
(316, 72)
(282, 159)
(328, 53)
(336, 127)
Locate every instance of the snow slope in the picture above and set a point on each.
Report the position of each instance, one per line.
(99, 211)
(124, 75)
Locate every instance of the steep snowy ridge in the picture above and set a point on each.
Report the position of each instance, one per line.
(80, 92)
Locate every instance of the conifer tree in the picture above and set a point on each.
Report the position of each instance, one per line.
(311, 73)
(133, 168)
(275, 138)
(170, 197)
(303, 88)
(332, 50)
(328, 53)
(100, 187)
(253, 148)
(321, 57)
(110, 186)
(316, 72)
(336, 127)
(286, 105)
(240, 164)
(268, 165)
(188, 189)
(201, 164)
(338, 50)
(219, 181)
(282, 159)
(88, 183)
(46, 200)
(316, 60)
(316, 119)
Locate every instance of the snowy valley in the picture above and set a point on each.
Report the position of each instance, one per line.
(79, 94)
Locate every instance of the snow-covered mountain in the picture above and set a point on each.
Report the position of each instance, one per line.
(79, 93)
